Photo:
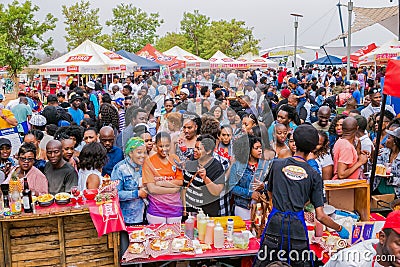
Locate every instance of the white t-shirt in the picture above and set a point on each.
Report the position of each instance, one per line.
(359, 255)
(112, 84)
(118, 94)
(326, 160)
(366, 143)
(253, 97)
(84, 174)
(232, 79)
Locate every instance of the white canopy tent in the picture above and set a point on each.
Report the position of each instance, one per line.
(382, 54)
(191, 60)
(221, 61)
(87, 58)
(254, 61)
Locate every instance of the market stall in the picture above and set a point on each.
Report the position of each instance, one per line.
(56, 236)
(191, 61)
(221, 61)
(152, 54)
(257, 62)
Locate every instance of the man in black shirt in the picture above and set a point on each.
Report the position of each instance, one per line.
(292, 182)
(293, 101)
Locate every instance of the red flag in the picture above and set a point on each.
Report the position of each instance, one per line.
(392, 78)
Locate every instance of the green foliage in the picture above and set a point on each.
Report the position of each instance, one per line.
(194, 26)
(231, 37)
(81, 23)
(172, 39)
(21, 36)
(133, 28)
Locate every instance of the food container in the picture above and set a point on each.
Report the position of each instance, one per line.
(241, 240)
(62, 198)
(45, 200)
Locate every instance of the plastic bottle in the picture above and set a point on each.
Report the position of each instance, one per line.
(1, 203)
(200, 215)
(229, 229)
(202, 225)
(16, 206)
(218, 236)
(189, 227)
(209, 239)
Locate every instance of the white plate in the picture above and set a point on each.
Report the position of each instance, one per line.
(381, 175)
(329, 209)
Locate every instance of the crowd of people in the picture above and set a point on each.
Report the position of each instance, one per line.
(219, 141)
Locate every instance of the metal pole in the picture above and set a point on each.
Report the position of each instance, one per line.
(350, 8)
(399, 21)
(341, 22)
(296, 25)
(377, 143)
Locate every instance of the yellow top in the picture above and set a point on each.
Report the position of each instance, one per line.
(3, 123)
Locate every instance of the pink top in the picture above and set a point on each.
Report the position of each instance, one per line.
(344, 152)
(36, 179)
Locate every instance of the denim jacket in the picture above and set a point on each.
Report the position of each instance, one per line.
(395, 179)
(130, 180)
(240, 179)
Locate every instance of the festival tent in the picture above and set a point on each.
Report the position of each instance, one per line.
(327, 60)
(221, 61)
(87, 58)
(355, 56)
(257, 62)
(191, 61)
(143, 63)
(382, 54)
(150, 53)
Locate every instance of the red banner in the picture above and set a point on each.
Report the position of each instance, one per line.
(392, 78)
(107, 217)
(360, 52)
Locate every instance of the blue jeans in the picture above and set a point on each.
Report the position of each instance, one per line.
(299, 106)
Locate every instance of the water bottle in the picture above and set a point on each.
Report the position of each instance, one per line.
(229, 230)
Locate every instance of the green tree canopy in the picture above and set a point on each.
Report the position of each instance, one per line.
(194, 26)
(171, 39)
(133, 28)
(231, 37)
(82, 23)
(21, 36)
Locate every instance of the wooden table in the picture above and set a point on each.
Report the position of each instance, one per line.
(56, 236)
(352, 197)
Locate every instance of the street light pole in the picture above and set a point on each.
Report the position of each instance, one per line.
(350, 9)
(296, 25)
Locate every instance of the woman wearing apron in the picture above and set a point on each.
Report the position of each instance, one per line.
(291, 184)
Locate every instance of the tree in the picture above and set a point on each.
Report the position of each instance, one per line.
(171, 39)
(21, 36)
(133, 28)
(81, 23)
(194, 26)
(231, 37)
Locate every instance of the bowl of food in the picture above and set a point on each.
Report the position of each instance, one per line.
(45, 200)
(90, 194)
(62, 198)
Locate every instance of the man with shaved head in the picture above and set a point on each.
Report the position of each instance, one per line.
(346, 162)
(60, 175)
(323, 124)
(114, 153)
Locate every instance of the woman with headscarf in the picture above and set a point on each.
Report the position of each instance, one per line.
(130, 188)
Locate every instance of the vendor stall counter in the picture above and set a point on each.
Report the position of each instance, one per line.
(61, 236)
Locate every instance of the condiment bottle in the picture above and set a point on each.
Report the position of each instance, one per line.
(189, 227)
(201, 226)
(229, 230)
(199, 216)
(209, 239)
(218, 236)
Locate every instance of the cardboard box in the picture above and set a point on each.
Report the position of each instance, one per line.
(378, 201)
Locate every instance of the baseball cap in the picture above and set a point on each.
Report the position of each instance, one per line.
(285, 93)
(293, 80)
(1, 97)
(119, 101)
(21, 93)
(90, 84)
(393, 221)
(38, 120)
(306, 137)
(52, 98)
(395, 132)
(185, 91)
(5, 142)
